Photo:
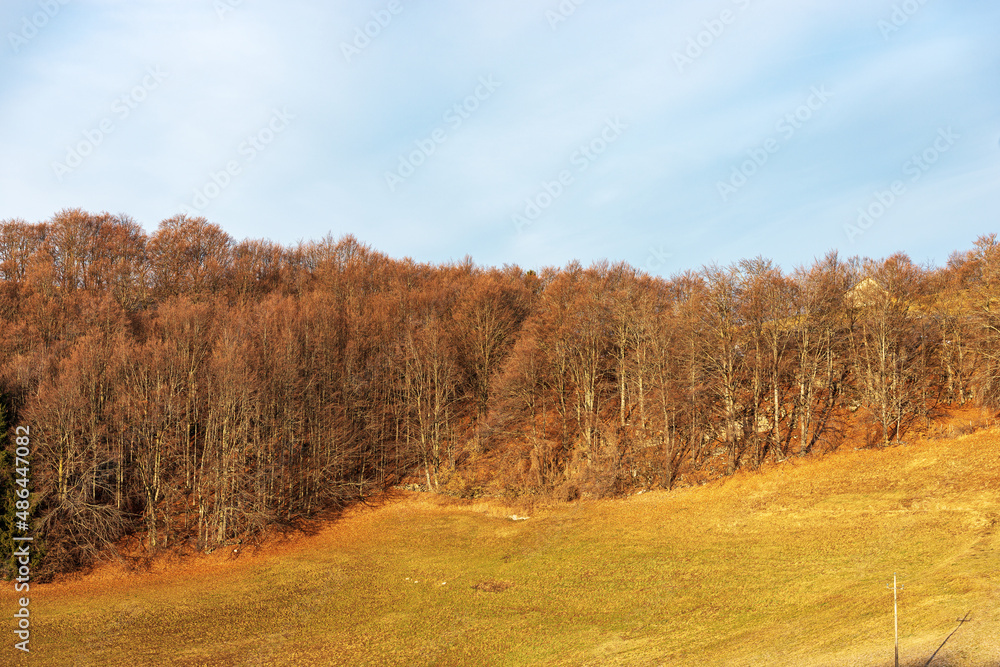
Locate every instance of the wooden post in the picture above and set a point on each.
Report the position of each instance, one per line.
(895, 614)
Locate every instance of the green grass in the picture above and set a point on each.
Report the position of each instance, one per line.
(786, 567)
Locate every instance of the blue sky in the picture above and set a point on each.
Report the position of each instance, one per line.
(530, 132)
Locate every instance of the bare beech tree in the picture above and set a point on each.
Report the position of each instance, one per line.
(724, 353)
(889, 344)
(769, 309)
(189, 256)
(985, 297)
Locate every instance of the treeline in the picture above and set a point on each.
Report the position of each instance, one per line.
(195, 390)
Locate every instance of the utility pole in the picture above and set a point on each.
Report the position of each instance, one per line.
(895, 613)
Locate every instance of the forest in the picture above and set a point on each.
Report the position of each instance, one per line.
(189, 390)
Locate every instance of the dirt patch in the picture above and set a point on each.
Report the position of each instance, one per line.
(493, 585)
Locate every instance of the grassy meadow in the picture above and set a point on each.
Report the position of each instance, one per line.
(787, 566)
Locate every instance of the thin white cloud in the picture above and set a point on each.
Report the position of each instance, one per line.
(560, 80)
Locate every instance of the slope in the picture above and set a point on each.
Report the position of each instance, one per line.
(784, 567)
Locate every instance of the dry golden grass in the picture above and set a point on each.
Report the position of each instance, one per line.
(785, 567)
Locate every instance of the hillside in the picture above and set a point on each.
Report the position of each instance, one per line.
(191, 391)
(783, 567)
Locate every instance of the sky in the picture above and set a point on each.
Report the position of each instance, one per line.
(529, 132)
